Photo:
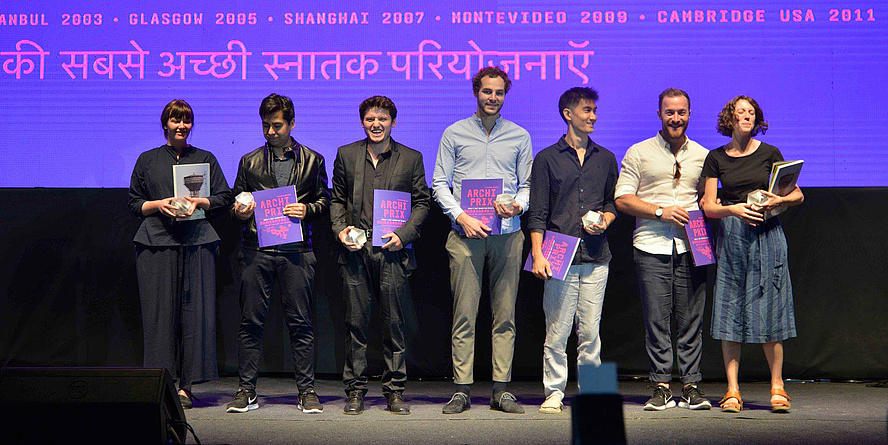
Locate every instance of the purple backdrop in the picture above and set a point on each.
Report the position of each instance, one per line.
(83, 83)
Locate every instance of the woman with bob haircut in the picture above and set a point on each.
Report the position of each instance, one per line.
(753, 293)
(176, 258)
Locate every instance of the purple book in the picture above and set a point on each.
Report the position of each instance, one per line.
(272, 226)
(391, 209)
(559, 249)
(698, 237)
(477, 200)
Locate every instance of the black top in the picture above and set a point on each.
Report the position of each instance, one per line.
(405, 173)
(374, 178)
(283, 166)
(739, 176)
(153, 179)
(562, 191)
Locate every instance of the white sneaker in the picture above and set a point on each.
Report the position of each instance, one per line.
(553, 404)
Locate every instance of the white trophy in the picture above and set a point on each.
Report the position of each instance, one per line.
(180, 206)
(244, 198)
(505, 199)
(756, 198)
(592, 217)
(356, 236)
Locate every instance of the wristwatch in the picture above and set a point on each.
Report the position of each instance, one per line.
(659, 212)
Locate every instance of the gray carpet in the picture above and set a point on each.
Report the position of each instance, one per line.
(822, 413)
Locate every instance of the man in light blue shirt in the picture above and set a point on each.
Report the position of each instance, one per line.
(484, 146)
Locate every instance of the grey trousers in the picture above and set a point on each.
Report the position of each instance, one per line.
(672, 287)
(468, 257)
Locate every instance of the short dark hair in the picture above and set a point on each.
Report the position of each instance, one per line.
(177, 108)
(274, 103)
(490, 71)
(573, 96)
(380, 102)
(673, 92)
(725, 124)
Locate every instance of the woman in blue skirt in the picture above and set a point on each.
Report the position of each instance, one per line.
(753, 293)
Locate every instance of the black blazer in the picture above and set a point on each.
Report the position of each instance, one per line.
(309, 175)
(406, 173)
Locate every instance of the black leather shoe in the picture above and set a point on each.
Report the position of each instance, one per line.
(185, 401)
(396, 403)
(457, 404)
(355, 403)
(506, 402)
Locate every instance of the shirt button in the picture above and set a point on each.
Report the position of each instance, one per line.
(581, 190)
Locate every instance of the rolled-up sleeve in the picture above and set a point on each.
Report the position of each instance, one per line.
(539, 196)
(630, 177)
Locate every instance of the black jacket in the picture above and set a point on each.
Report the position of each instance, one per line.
(406, 173)
(309, 175)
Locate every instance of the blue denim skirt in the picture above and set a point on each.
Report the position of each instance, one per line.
(753, 292)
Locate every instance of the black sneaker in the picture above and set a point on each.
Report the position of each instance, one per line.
(457, 404)
(692, 398)
(506, 402)
(355, 403)
(244, 400)
(309, 402)
(662, 399)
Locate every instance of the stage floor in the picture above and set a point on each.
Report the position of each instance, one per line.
(833, 413)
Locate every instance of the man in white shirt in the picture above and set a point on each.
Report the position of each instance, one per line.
(659, 183)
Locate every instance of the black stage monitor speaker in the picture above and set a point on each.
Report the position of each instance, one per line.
(89, 405)
(597, 419)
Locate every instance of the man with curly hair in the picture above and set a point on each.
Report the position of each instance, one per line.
(484, 145)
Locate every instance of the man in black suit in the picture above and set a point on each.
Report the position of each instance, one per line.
(376, 162)
(280, 162)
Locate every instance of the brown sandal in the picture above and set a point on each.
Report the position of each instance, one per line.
(780, 406)
(731, 407)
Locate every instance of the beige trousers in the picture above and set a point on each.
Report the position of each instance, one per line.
(468, 257)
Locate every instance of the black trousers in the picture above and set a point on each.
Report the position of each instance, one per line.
(671, 287)
(375, 273)
(177, 290)
(259, 271)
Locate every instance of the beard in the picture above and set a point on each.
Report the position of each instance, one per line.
(675, 132)
(486, 109)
